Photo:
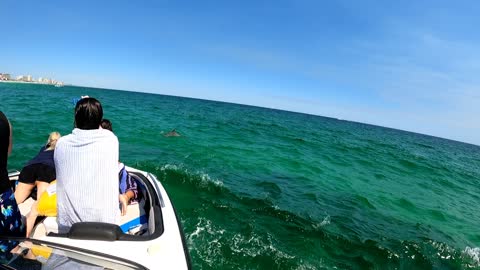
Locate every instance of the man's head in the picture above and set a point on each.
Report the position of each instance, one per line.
(88, 113)
(106, 124)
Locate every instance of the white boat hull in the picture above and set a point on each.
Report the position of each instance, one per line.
(162, 248)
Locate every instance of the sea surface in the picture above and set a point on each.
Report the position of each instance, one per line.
(257, 188)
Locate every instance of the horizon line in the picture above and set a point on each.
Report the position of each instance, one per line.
(278, 109)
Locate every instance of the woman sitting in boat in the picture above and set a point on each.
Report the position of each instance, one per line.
(38, 172)
(128, 187)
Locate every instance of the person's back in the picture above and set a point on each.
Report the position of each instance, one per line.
(86, 169)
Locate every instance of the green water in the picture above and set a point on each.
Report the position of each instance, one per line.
(264, 189)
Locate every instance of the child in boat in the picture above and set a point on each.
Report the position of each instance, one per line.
(128, 187)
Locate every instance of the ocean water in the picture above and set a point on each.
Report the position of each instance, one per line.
(265, 189)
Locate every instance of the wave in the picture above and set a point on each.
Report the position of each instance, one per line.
(326, 221)
(408, 164)
(172, 172)
(272, 190)
(227, 229)
(214, 247)
(424, 145)
(220, 223)
(474, 254)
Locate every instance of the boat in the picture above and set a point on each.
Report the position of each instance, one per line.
(151, 237)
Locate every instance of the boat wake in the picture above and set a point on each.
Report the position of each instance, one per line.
(222, 244)
(229, 229)
(474, 254)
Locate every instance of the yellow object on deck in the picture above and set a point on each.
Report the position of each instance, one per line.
(42, 251)
(47, 204)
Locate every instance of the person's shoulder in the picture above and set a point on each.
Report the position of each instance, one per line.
(64, 139)
(107, 133)
(121, 166)
(108, 136)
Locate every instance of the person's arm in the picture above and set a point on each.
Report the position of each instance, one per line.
(124, 199)
(10, 143)
(123, 204)
(130, 193)
(132, 188)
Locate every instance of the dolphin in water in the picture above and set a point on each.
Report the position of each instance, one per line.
(172, 133)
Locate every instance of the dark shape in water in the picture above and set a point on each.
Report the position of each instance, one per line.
(172, 133)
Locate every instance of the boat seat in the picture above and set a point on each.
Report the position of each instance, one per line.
(50, 224)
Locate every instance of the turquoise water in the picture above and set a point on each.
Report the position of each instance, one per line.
(265, 189)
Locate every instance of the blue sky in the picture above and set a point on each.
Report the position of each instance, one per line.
(411, 65)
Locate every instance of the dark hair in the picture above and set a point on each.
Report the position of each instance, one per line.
(88, 113)
(106, 124)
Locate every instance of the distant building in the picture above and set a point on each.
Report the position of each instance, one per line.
(5, 77)
(29, 78)
(45, 80)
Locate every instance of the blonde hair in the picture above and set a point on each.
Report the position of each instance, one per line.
(52, 140)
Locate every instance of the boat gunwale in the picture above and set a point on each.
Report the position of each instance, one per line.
(73, 248)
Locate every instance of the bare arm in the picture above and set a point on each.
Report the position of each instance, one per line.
(124, 200)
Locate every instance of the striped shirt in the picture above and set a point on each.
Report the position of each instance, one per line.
(86, 164)
(127, 183)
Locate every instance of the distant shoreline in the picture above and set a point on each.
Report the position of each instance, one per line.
(27, 82)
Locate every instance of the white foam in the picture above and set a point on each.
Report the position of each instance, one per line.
(207, 241)
(326, 220)
(204, 177)
(307, 266)
(444, 251)
(255, 246)
(202, 226)
(169, 167)
(206, 232)
(473, 253)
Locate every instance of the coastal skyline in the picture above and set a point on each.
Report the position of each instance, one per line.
(7, 77)
(410, 66)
